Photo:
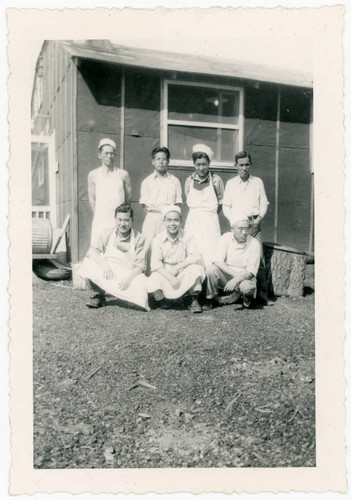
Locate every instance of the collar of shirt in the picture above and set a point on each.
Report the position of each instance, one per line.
(123, 238)
(196, 178)
(236, 244)
(179, 237)
(156, 174)
(245, 182)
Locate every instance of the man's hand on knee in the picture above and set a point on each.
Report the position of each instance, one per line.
(232, 284)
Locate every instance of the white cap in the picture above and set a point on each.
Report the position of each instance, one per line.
(237, 218)
(107, 142)
(202, 148)
(171, 208)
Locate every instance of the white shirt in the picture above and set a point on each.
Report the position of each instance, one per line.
(241, 257)
(160, 190)
(245, 197)
(168, 251)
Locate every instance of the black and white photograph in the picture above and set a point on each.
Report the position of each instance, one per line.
(173, 243)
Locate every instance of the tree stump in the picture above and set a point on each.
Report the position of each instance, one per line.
(285, 270)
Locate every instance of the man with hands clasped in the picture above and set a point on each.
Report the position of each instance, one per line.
(176, 267)
(235, 267)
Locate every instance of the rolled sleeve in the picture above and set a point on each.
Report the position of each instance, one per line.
(226, 201)
(218, 187)
(178, 192)
(144, 193)
(263, 200)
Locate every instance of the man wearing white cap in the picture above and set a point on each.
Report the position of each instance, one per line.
(175, 263)
(204, 193)
(108, 187)
(236, 264)
(245, 194)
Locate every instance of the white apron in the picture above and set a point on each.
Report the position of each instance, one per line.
(202, 222)
(109, 194)
(191, 278)
(153, 224)
(121, 264)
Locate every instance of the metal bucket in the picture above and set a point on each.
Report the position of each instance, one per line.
(41, 236)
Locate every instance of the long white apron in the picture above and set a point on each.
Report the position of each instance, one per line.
(121, 264)
(202, 222)
(109, 194)
(191, 278)
(153, 224)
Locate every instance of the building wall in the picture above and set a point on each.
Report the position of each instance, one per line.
(57, 115)
(99, 115)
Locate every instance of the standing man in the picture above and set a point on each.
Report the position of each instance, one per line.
(159, 190)
(235, 267)
(245, 194)
(108, 187)
(204, 193)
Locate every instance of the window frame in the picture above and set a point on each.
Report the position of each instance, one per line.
(48, 210)
(165, 122)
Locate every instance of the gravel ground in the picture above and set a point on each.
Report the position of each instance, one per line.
(120, 388)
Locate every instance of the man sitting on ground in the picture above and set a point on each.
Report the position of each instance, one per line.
(235, 265)
(175, 263)
(116, 264)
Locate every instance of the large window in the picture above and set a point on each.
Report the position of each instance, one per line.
(202, 113)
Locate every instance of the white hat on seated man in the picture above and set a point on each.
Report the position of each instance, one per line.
(238, 217)
(171, 208)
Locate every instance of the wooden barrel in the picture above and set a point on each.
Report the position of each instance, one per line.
(41, 235)
(285, 269)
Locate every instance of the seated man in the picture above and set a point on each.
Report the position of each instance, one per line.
(116, 264)
(235, 266)
(175, 263)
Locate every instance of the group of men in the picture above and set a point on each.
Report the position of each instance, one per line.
(166, 262)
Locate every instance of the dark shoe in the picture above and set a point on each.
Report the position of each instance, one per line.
(207, 306)
(96, 301)
(263, 299)
(163, 304)
(246, 302)
(229, 299)
(195, 307)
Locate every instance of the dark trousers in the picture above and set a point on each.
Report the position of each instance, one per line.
(217, 279)
(262, 286)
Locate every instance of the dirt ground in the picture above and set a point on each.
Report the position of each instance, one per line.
(121, 388)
